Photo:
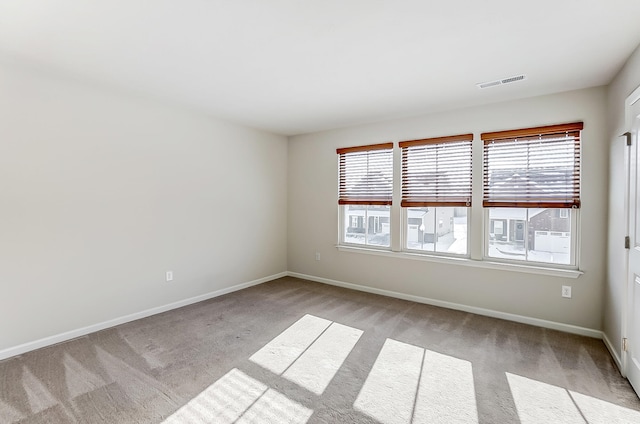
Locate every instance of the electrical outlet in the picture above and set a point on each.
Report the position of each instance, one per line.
(317, 256)
(566, 291)
(169, 275)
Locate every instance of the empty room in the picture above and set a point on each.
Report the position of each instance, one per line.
(356, 211)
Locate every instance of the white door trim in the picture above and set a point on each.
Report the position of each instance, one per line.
(631, 100)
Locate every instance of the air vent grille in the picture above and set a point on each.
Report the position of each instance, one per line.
(502, 81)
(513, 79)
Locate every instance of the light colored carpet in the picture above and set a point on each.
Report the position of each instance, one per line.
(293, 351)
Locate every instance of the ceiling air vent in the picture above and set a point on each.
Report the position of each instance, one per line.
(501, 81)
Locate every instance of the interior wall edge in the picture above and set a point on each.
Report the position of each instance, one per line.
(73, 334)
(552, 325)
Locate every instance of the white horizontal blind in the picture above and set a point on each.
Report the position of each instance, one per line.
(366, 175)
(533, 168)
(437, 171)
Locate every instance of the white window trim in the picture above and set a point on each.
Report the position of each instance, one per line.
(528, 268)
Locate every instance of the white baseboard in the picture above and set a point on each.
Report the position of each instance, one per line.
(613, 352)
(568, 328)
(58, 338)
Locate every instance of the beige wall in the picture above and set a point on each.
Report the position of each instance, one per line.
(101, 193)
(627, 80)
(313, 214)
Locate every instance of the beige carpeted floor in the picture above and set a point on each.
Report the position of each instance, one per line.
(296, 351)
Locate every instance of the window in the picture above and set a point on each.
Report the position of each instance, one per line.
(530, 181)
(532, 192)
(436, 193)
(365, 194)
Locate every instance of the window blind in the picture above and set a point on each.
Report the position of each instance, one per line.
(437, 171)
(533, 168)
(366, 175)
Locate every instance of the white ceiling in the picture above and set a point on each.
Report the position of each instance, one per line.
(296, 66)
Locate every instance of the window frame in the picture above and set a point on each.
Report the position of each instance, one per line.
(439, 196)
(345, 200)
(551, 131)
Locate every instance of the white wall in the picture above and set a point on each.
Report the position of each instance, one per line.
(102, 192)
(627, 80)
(313, 213)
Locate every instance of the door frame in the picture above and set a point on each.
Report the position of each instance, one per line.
(631, 100)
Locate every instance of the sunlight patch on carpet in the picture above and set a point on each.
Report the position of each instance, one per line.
(238, 398)
(317, 366)
(309, 353)
(539, 402)
(598, 411)
(409, 384)
(222, 402)
(281, 352)
(446, 393)
(389, 392)
(275, 407)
